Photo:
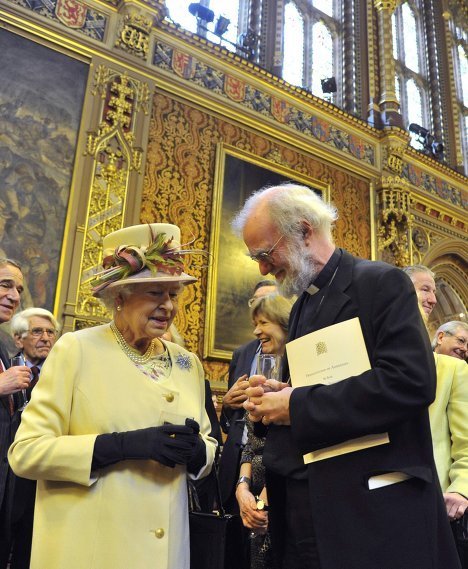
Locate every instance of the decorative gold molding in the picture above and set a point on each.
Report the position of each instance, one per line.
(388, 5)
(115, 155)
(134, 34)
(395, 219)
(455, 126)
(394, 154)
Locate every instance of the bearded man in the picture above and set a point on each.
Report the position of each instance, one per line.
(380, 506)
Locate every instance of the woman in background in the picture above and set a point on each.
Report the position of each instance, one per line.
(270, 316)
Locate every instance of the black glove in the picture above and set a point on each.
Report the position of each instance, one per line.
(168, 444)
(198, 458)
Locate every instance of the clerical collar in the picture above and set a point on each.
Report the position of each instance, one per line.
(326, 274)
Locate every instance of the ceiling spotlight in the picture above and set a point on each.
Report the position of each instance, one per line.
(429, 145)
(419, 130)
(438, 150)
(201, 12)
(329, 85)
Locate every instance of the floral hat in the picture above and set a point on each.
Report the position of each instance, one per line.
(141, 254)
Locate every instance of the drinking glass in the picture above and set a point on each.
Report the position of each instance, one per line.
(269, 365)
(19, 361)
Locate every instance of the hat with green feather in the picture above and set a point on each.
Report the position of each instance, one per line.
(141, 254)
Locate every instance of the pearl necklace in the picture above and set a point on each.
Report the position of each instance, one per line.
(129, 351)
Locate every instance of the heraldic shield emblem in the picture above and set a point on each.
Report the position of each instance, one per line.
(71, 13)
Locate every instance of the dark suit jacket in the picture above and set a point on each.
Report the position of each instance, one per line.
(403, 525)
(8, 426)
(233, 423)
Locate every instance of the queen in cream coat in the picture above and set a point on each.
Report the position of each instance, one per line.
(133, 514)
(449, 424)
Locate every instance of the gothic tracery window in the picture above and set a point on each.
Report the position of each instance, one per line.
(293, 52)
(410, 68)
(312, 39)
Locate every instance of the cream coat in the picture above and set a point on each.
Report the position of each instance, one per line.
(131, 515)
(449, 424)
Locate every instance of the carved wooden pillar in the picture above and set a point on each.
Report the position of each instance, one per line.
(388, 104)
(447, 106)
(394, 220)
(117, 161)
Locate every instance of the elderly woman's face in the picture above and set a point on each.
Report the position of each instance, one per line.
(271, 335)
(149, 310)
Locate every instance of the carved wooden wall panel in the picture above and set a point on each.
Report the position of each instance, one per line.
(179, 184)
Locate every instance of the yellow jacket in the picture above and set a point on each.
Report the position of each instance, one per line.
(449, 424)
(130, 515)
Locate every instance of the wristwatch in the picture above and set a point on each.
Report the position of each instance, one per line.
(245, 479)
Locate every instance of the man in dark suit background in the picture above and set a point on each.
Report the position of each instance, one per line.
(12, 380)
(35, 331)
(376, 507)
(232, 420)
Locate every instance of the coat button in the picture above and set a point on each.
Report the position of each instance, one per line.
(169, 397)
(159, 533)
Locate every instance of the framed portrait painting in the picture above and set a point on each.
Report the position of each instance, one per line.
(232, 274)
(41, 99)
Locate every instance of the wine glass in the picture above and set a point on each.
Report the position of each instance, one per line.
(20, 361)
(269, 365)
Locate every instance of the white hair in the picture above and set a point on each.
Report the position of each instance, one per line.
(289, 205)
(449, 328)
(19, 325)
(413, 269)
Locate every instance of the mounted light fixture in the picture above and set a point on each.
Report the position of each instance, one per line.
(419, 130)
(247, 42)
(205, 16)
(202, 13)
(329, 85)
(222, 25)
(430, 146)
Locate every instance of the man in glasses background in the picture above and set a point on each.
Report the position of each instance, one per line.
(451, 339)
(35, 331)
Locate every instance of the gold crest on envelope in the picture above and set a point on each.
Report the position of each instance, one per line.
(321, 348)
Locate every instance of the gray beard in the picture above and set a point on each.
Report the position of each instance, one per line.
(301, 273)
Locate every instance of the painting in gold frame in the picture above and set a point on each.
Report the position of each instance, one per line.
(41, 97)
(233, 275)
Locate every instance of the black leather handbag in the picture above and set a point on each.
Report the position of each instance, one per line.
(460, 533)
(215, 537)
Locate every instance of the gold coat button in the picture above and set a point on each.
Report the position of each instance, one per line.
(169, 397)
(159, 533)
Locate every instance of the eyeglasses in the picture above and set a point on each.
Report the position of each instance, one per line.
(462, 342)
(265, 255)
(39, 332)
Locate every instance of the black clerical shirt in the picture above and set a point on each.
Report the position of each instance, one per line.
(281, 454)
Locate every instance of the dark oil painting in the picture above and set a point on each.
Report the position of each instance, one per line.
(41, 97)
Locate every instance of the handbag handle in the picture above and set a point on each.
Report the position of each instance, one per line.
(193, 500)
(221, 509)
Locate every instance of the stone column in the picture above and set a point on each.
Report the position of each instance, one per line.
(388, 104)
